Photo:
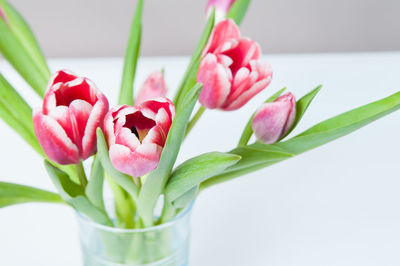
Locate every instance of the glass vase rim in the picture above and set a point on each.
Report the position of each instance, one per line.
(182, 214)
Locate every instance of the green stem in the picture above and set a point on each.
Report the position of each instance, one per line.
(81, 174)
(124, 205)
(167, 214)
(137, 182)
(194, 120)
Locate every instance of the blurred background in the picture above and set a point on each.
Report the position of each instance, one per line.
(91, 28)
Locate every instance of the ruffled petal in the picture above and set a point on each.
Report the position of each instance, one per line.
(216, 80)
(223, 32)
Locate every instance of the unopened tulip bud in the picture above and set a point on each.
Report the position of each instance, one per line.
(153, 87)
(221, 8)
(273, 120)
(73, 108)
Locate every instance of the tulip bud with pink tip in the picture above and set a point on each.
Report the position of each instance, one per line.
(221, 8)
(136, 135)
(153, 87)
(73, 108)
(230, 70)
(273, 120)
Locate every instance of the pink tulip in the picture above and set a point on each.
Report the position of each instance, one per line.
(153, 87)
(230, 70)
(221, 8)
(136, 135)
(273, 120)
(72, 110)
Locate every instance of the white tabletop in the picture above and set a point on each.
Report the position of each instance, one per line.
(335, 205)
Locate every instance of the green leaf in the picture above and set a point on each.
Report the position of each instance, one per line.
(196, 170)
(256, 154)
(184, 200)
(248, 130)
(22, 31)
(190, 76)
(238, 10)
(131, 57)
(14, 52)
(74, 195)
(233, 174)
(341, 125)
(11, 120)
(156, 180)
(121, 179)
(316, 136)
(302, 106)
(11, 194)
(94, 188)
(123, 205)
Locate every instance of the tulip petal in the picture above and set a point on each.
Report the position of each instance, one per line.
(273, 120)
(62, 76)
(80, 88)
(127, 138)
(158, 103)
(247, 50)
(79, 114)
(95, 120)
(135, 163)
(223, 32)
(153, 87)
(156, 135)
(216, 80)
(54, 141)
(248, 84)
(62, 115)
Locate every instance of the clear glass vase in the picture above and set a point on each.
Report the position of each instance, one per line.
(163, 245)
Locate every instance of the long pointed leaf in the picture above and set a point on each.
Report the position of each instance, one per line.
(74, 195)
(11, 194)
(11, 120)
(94, 188)
(19, 58)
(131, 57)
(238, 10)
(189, 78)
(316, 136)
(196, 170)
(341, 125)
(156, 181)
(302, 106)
(25, 35)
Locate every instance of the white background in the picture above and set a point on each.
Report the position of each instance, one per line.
(335, 205)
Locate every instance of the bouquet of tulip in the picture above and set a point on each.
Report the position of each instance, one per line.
(134, 145)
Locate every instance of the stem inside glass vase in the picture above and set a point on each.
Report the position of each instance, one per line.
(162, 245)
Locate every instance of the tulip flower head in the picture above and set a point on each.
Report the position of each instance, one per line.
(136, 135)
(153, 87)
(230, 70)
(273, 121)
(221, 8)
(72, 110)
